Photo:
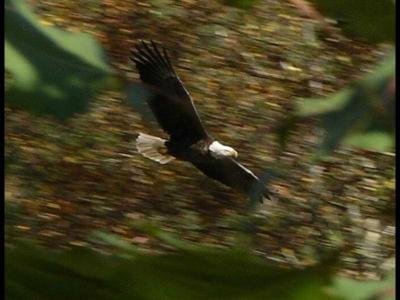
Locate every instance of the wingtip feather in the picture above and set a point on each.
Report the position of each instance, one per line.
(149, 54)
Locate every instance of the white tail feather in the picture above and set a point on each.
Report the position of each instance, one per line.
(151, 147)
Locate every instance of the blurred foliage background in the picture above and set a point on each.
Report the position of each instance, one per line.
(307, 90)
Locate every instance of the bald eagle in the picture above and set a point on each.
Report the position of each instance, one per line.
(188, 140)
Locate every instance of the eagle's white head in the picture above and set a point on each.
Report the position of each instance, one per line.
(218, 150)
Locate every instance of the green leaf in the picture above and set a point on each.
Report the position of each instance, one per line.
(204, 273)
(34, 272)
(350, 289)
(338, 123)
(53, 72)
(317, 106)
(360, 115)
(114, 240)
(377, 141)
(372, 82)
(370, 20)
(384, 70)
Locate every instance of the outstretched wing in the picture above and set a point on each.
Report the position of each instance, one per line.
(171, 104)
(231, 173)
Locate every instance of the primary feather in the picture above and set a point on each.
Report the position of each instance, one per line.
(171, 105)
